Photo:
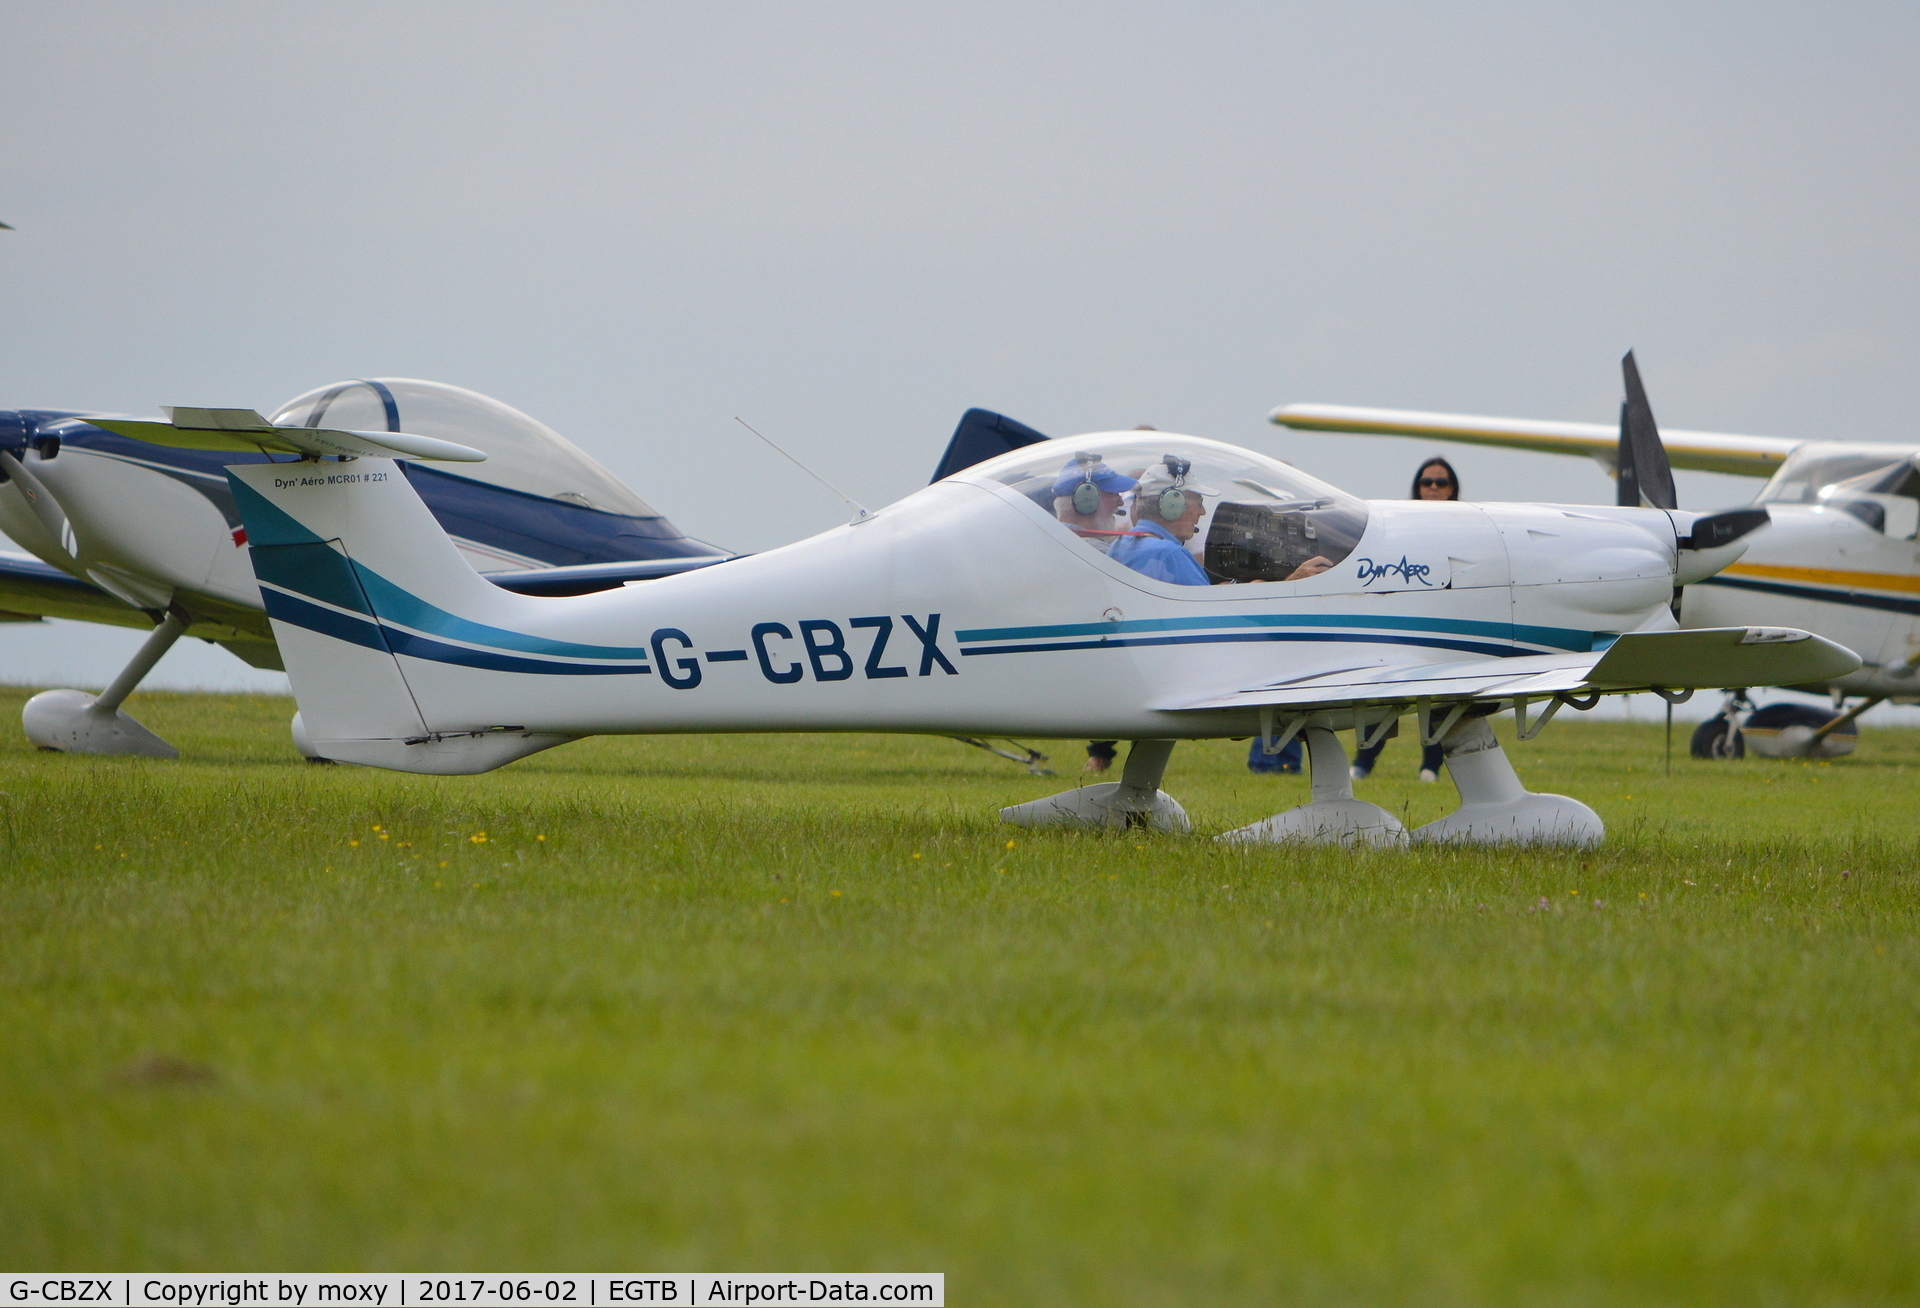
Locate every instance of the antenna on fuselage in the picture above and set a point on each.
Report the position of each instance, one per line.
(859, 510)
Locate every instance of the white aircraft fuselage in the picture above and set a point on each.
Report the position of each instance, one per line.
(966, 608)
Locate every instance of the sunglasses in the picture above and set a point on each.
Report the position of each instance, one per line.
(1436, 481)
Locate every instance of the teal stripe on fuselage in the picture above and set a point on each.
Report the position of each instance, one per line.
(322, 574)
(1579, 642)
(408, 610)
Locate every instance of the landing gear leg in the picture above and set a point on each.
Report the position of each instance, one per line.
(1495, 809)
(1334, 817)
(1136, 800)
(75, 722)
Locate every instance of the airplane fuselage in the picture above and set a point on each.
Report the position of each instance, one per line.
(964, 608)
(1825, 570)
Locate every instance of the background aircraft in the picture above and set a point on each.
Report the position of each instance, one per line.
(126, 532)
(972, 607)
(1840, 557)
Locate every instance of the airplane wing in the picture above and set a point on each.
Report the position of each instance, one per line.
(244, 431)
(1699, 451)
(1712, 657)
(31, 590)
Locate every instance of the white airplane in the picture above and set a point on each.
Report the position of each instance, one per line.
(975, 607)
(1840, 557)
(129, 533)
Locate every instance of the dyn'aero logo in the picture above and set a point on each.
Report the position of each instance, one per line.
(1371, 572)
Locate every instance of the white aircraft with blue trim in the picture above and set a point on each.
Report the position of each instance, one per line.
(128, 533)
(1840, 557)
(998, 601)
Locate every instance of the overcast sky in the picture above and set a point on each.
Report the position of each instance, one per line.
(847, 223)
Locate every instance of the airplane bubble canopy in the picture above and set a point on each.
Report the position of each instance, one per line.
(1182, 509)
(522, 453)
(1878, 484)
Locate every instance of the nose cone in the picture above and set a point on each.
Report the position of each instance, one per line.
(1710, 541)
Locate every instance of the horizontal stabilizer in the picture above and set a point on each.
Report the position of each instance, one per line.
(587, 578)
(244, 431)
(1696, 451)
(1672, 660)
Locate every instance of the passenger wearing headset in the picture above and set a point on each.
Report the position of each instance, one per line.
(1088, 497)
(1167, 509)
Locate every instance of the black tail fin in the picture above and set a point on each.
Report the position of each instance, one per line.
(982, 435)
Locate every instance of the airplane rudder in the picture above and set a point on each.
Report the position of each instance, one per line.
(378, 520)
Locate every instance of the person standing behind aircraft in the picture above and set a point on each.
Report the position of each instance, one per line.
(1436, 480)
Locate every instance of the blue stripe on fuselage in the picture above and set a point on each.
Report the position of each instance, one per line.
(1580, 642)
(1221, 638)
(1855, 599)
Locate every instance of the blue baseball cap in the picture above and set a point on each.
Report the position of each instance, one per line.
(1090, 468)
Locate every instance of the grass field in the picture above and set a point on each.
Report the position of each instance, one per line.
(796, 1003)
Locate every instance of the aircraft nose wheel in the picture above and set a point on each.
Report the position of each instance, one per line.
(1718, 738)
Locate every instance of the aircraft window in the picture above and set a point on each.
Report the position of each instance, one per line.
(1880, 487)
(521, 453)
(1886, 499)
(1186, 511)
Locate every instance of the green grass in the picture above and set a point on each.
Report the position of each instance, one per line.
(791, 1003)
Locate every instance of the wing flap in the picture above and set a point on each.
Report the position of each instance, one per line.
(1697, 451)
(1540, 674)
(1672, 660)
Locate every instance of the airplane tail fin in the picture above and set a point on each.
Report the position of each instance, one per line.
(385, 628)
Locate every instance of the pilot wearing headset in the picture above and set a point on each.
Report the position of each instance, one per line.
(1167, 508)
(1088, 496)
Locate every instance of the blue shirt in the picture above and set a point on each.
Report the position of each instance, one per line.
(1158, 554)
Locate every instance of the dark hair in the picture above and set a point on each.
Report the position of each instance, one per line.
(1437, 462)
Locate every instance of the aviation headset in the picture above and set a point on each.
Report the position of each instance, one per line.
(1086, 496)
(1173, 502)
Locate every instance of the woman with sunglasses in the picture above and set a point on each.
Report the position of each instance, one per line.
(1436, 480)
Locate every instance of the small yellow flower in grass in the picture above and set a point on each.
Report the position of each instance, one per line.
(378, 827)
(477, 838)
(99, 846)
(384, 836)
(443, 863)
(539, 837)
(1009, 844)
(836, 894)
(353, 844)
(404, 844)
(916, 856)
